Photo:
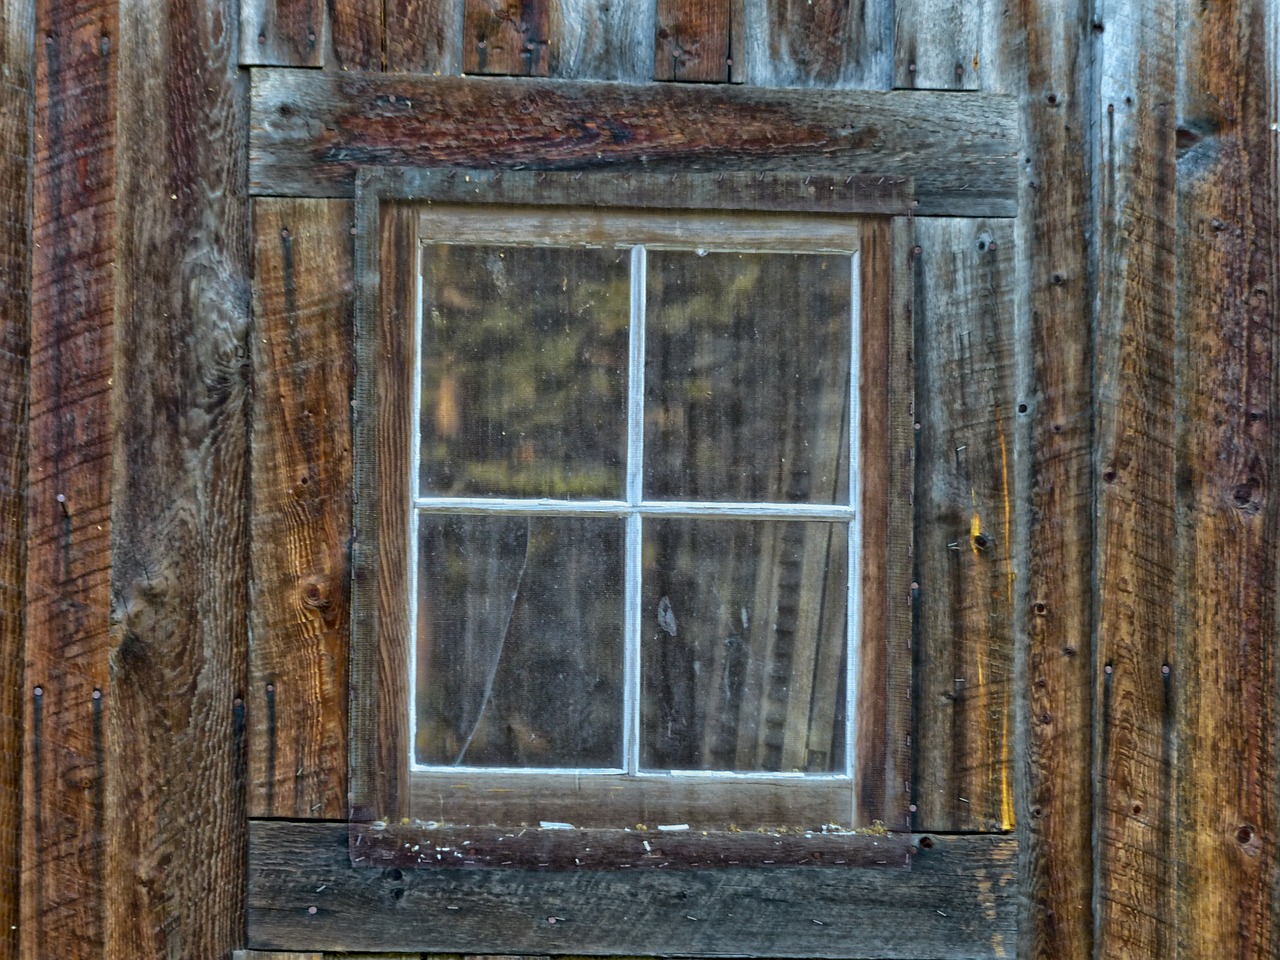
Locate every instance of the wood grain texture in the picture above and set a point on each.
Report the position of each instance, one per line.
(965, 533)
(311, 130)
(1044, 59)
(17, 87)
(1136, 410)
(958, 900)
(506, 37)
(424, 36)
(557, 849)
(69, 480)
(819, 43)
(301, 524)
(356, 34)
(947, 45)
(602, 40)
(1224, 674)
(699, 41)
(386, 301)
(282, 33)
(175, 812)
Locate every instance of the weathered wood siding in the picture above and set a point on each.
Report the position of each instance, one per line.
(1097, 383)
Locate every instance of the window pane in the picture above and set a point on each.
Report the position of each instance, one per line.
(520, 641)
(524, 371)
(747, 377)
(743, 645)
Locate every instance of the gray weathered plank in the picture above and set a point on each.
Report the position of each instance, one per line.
(947, 44)
(175, 816)
(965, 535)
(957, 901)
(301, 523)
(602, 40)
(819, 43)
(1136, 411)
(282, 33)
(17, 84)
(311, 130)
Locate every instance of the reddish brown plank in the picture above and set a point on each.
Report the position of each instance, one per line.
(175, 812)
(699, 41)
(506, 37)
(965, 525)
(819, 43)
(301, 524)
(424, 36)
(1224, 675)
(356, 30)
(282, 33)
(17, 36)
(312, 130)
(69, 495)
(1044, 58)
(1136, 409)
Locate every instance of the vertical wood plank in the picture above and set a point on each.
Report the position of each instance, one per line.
(424, 36)
(175, 813)
(1044, 60)
(819, 43)
(1224, 675)
(699, 41)
(946, 44)
(356, 35)
(602, 40)
(301, 523)
(282, 33)
(508, 37)
(17, 38)
(1136, 584)
(386, 269)
(69, 494)
(965, 534)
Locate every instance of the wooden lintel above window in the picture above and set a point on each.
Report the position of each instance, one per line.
(311, 130)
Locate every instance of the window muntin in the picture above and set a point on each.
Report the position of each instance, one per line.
(800, 516)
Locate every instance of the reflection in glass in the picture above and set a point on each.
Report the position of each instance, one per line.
(743, 645)
(524, 371)
(520, 641)
(747, 377)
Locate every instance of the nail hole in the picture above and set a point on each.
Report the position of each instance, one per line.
(1137, 809)
(1244, 834)
(1037, 812)
(926, 843)
(1109, 475)
(1040, 609)
(397, 893)
(1022, 408)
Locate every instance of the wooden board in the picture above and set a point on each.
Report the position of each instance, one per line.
(958, 900)
(965, 527)
(820, 43)
(175, 813)
(311, 131)
(699, 41)
(1223, 678)
(506, 39)
(301, 524)
(283, 33)
(424, 36)
(356, 35)
(17, 37)
(1136, 410)
(69, 481)
(1044, 58)
(948, 44)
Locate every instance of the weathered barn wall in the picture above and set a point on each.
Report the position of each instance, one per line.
(1098, 381)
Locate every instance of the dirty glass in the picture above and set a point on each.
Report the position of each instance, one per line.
(743, 640)
(520, 641)
(747, 376)
(524, 371)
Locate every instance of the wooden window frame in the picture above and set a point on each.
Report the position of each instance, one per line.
(360, 885)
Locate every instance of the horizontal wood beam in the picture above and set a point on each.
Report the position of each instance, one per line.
(311, 130)
(959, 899)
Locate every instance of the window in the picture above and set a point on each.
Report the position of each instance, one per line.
(626, 467)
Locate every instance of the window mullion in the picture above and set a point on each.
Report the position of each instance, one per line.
(635, 493)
